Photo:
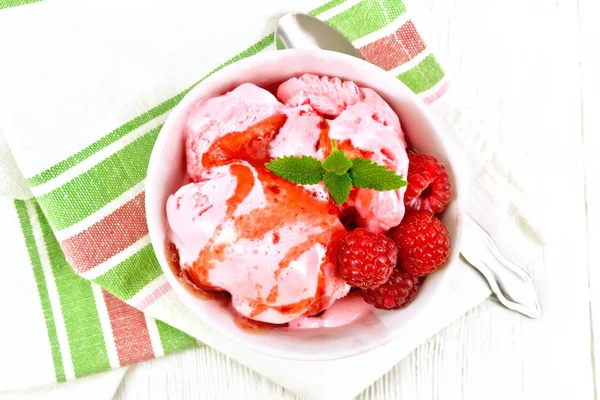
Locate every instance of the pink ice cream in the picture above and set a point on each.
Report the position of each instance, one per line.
(342, 312)
(211, 119)
(328, 97)
(263, 250)
(272, 244)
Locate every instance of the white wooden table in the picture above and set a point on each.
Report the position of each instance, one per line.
(528, 71)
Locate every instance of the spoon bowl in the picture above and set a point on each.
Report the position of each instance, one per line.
(301, 31)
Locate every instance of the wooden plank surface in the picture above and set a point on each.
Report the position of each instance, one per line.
(590, 103)
(527, 71)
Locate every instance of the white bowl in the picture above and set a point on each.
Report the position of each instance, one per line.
(167, 168)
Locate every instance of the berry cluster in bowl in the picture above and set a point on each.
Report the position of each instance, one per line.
(388, 269)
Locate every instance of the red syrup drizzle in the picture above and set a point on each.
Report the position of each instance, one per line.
(203, 292)
(287, 203)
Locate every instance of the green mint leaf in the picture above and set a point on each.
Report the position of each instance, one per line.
(338, 186)
(370, 175)
(337, 162)
(303, 170)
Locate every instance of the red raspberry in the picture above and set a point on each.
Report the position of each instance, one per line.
(429, 187)
(366, 259)
(423, 243)
(397, 292)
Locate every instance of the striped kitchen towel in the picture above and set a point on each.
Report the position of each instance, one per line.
(84, 91)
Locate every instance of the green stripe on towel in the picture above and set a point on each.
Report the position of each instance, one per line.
(131, 275)
(38, 274)
(82, 323)
(381, 13)
(424, 76)
(172, 339)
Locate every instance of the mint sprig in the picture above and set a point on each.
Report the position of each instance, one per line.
(338, 173)
(367, 174)
(303, 170)
(337, 162)
(338, 186)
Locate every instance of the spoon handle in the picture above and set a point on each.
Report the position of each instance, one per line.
(511, 285)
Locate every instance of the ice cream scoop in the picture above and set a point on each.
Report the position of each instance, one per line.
(326, 96)
(213, 118)
(266, 241)
(363, 125)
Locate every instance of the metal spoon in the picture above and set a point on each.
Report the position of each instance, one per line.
(511, 285)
